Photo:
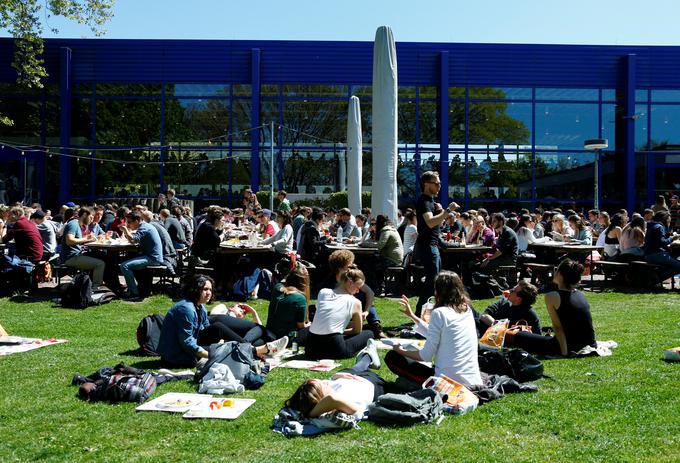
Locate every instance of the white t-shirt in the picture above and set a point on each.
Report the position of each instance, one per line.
(357, 390)
(452, 342)
(410, 235)
(333, 312)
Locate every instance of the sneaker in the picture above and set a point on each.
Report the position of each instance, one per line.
(371, 350)
(278, 346)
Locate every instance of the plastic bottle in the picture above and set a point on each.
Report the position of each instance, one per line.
(292, 337)
(338, 235)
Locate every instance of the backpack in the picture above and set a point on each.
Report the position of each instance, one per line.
(484, 286)
(130, 388)
(515, 363)
(149, 334)
(421, 406)
(78, 293)
(265, 284)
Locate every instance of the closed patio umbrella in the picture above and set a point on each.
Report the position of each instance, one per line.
(354, 147)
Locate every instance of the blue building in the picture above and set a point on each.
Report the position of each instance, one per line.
(502, 123)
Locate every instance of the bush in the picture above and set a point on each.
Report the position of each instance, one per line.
(339, 200)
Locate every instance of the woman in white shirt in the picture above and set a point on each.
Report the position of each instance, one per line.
(451, 340)
(410, 232)
(560, 229)
(282, 240)
(525, 233)
(336, 331)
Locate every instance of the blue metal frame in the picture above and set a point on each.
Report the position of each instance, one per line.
(65, 98)
(255, 120)
(443, 103)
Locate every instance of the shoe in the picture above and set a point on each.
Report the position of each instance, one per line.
(376, 328)
(78, 379)
(371, 350)
(278, 346)
(129, 297)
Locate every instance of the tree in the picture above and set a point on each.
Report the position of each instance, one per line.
(23, 20)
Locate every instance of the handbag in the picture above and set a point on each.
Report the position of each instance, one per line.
(494, 336)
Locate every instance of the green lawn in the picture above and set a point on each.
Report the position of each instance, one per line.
(620, 408)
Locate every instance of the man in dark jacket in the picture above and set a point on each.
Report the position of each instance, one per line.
(515, 307)
(312, 247)
(506, 249)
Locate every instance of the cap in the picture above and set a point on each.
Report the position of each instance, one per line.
(70, 204)
(38, 214)
(266, 212)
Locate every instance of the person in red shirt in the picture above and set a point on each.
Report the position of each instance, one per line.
(268, 227)
(27, 240)
(119, 220)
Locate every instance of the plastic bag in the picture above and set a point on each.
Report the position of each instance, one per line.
(494, 337)
(460, 399)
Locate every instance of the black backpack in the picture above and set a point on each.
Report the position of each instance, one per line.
(421, 406)
(515, 363)
(149, 334)
(78, 293)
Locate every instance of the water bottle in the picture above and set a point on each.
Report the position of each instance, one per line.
(338, 235)
(292, 336)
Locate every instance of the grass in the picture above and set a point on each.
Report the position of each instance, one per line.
(619, 408)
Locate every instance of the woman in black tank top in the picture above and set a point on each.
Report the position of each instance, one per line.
(570, 315)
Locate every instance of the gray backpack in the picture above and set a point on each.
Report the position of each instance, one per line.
(421, 406)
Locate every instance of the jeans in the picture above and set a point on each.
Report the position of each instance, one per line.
(428, 256)
(128, 268)
(408, 368)
(670, 266)
(88, 263)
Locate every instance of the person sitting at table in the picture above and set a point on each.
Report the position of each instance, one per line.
(451, 338)
(28, 243)
(632, 241)
(390, 251)
(187, 329)
(312, 245)
(657, 239)
(288, 305)
(336, 331)
(121, 213)
(250, 202)
(570, 315)
(169, 252)
(187, 226)
(282, 240)
(71, 254)
(581, 232)
(410, 233)
(505, 249)
(347, 223)
(95, 227)
(150, 250)
(560, 230)
(363, 225)
(339, 262)
(515, 307)
(174, 229)
(612, 236)
(525, 236)
(480, 234)
(267, 228)
(48, 233)
(208, 236)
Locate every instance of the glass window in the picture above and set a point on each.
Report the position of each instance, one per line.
(315, 90)
(269, 90)
(641, 96)
(564, 176)
(198, 173)
(52, 122)
(241, 90)
(489, 93)
(307, 170)
(457, 93)
(407, 185)
(659, 96)
(106, 89)
(120, 174)
(609, 124)
(407, 122)
(406, 92)
(13, 88)
(564, 125)
(665, 127)
(25, 115)
(456, 124)
(427, 92)
(573, 94)
(363, 91)
(500, 123)
(192, 121)
(197, 90)
(81, 177)
(315, 121)
(297, 165)
(641, 132)
(608, 94)
(428, 122)
(81, 121)
(83, 88)
(240, 120)
(456, 174)
(128, 122)
(499, 174)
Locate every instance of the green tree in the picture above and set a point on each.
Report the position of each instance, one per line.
(23, 20)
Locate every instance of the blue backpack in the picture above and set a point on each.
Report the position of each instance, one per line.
(257, 284)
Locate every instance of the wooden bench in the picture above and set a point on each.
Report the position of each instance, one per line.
(540, 273)
(646, 275)
(612, 270)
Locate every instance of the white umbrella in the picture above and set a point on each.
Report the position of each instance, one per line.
(354, 147)
(384, 193)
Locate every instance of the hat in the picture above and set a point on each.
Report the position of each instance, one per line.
(38, 214)
(70, 204)
(267, 213)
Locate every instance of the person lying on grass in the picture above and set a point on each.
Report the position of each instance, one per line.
(187, 329)
(570, 314)
(350, 391)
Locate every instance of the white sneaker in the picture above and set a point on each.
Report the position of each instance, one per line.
(371, 350)
(278, 346)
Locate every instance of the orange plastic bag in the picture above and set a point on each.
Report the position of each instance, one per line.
(460, 399)
(495, 334)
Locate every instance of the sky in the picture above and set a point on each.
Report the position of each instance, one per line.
(591, 22)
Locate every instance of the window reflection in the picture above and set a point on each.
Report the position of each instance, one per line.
(665, 125)
(565, 125)
(128, 122)
(195, 121)
(499, 123)
(565, 176)
(573, 94)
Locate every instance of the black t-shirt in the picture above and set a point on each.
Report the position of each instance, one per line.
(507, 242)
(576, 321)
(503, 308)
(426, 234)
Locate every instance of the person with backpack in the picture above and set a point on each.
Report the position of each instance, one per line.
(187, 330)
(451, 337)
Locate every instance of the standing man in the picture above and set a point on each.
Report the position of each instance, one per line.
(150, 250)
(430, 217)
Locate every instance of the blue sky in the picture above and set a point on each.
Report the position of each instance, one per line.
(596, 22)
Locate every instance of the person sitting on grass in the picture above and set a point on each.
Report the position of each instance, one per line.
(570, 314)
(288, 305)
(451, 337)
(187, 330)
(349, 391)
(336, 331)
(515, 307)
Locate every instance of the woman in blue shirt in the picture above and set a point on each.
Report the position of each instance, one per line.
(186, 328)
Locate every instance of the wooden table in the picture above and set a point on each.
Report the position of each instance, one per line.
(354, 248)
(553, 248)
(113, 247)
(243, 249)
(464, 249)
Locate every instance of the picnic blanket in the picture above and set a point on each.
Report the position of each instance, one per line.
(15, 344)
